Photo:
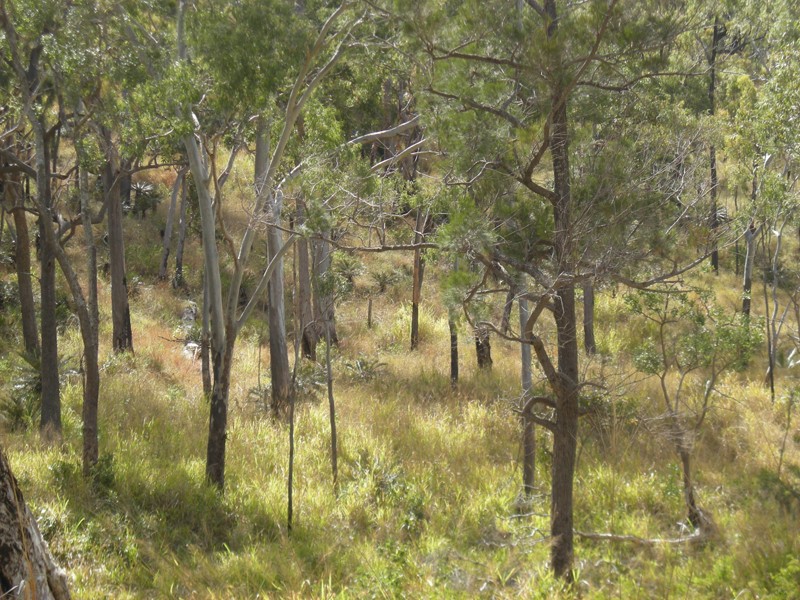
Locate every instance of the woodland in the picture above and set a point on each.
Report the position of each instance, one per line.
(399, 298)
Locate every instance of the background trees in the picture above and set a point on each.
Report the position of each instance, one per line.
(536, 162)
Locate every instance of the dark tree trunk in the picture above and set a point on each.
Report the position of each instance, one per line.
(528, 430)
(27, 569)
(750, 244)
(51, 396)
(716, 38)
(483, 348)
(419, 272)
(588, 318)
(453, 353)
(218, 420)
(565, 434)
(177, 280)
(22, 260)
(120, 308)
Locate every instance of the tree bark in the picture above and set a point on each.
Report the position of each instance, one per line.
(565, 433)
(451, 324)
(167, 241)
(528, 430)
(90, 325)
(332, 414)
(716, 38)
(51, 395)
(419, 271)
(324, 313)
(589, 343)
(276, 307)
(483, 348)
(218, 418)
(122, 334)
(22, 260)
(750, 244)
(27, 569)
(177, 280)
(309, 332)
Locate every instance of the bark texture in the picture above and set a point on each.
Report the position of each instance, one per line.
(27, 569)
(120, 308)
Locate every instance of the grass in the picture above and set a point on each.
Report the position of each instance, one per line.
(428, 502)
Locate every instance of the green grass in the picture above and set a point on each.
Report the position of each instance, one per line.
(429, 477)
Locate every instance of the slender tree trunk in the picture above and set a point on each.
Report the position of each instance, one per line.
(205, 343)
(51, 395)
(332, 413)
(717, 35)
(309, 333)
(27, 569)
(276, 307)
(177, 280)
(528, 430)
(750, 242)
(589, 343)
(451, 324)
(505, 321)
(22, 260)
(483, 348)
(324, 314)
(167, 241)
(122, 334)
(90, 324)
(419, 271)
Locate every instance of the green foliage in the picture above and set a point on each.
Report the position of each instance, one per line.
(364, 368)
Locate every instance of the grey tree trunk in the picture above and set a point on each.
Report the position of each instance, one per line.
(27, 569)
(122, 335)
(177, 280)
(167, 241)
(276, 304)
(324, 314)
(309, 332)
(22, 258)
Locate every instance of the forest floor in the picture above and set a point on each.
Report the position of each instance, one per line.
(428, 502)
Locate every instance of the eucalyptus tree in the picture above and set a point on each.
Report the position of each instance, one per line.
(283, 77)
(27, 28)
(521, 95)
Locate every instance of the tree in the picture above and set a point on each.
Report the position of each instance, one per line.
(323, 48)
(523, 96)
(693, 344)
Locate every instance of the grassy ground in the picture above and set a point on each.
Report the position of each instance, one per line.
(428, 502)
